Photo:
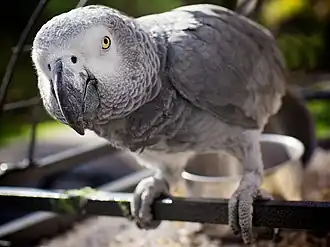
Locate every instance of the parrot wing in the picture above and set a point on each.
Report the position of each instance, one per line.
(225, 64)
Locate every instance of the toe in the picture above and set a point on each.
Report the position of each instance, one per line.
(145, 194)
(240, 214)
(145, 208)
(145, 215)
(264, 195)
(245, 211)
(147, 224)
(233, 214)
(135, 203)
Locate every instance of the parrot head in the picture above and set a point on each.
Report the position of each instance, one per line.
(94, 64)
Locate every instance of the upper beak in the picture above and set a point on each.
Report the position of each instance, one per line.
(69, 98)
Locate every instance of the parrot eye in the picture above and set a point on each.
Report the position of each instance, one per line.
(106, 42)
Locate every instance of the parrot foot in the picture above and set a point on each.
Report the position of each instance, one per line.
(145, 193)
(241, 208)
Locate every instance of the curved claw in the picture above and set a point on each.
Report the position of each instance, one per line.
(145, 193)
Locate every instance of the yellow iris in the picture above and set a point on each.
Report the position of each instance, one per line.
(106, 42)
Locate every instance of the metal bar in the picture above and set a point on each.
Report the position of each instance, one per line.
(316, 95)
(81, 3)
(32, 143)
(124, 184)
(20, 45)
(305, 215)
(26, 48)
(21, 104)
(249, 8)
(17, 174)
(33, 137)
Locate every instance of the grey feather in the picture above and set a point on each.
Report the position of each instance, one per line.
(222, 63)
(195, 79)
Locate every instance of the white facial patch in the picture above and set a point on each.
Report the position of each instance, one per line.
(101, 62)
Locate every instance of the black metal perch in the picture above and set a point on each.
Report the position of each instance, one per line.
(304, 215)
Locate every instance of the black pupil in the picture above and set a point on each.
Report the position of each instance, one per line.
(74, 59)
(105, 41)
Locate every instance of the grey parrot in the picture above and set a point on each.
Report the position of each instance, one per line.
(163, 87)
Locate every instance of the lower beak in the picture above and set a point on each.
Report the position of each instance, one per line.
(69, 98)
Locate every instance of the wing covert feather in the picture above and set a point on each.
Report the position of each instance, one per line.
(227, 65)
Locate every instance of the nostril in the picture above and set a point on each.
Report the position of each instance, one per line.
(74, 59)
(49, 68)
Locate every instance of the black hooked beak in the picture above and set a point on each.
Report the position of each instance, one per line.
(69, 98)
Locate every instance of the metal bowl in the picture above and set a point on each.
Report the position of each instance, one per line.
(217, 175)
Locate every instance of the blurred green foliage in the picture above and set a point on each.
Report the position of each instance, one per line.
(321, 113)
(302, 28)
(301, 50)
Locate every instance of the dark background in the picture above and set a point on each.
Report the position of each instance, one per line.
(302, 29)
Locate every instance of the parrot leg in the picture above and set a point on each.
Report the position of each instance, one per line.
(146, 192)
(240, 208)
